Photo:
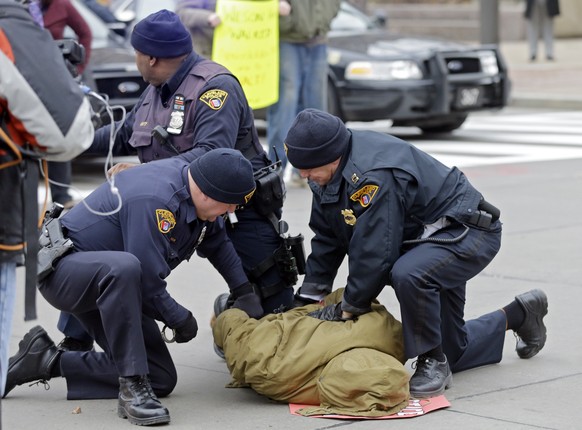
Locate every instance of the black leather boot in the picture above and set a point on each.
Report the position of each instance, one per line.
(139, 404)
(220, 305)
(431, 378)
(36, 356)
(531, 336)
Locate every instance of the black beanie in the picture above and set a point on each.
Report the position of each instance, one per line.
(316, 138)
(161, 35)
(224, 175)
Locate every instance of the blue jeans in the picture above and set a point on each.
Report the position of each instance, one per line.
(302, 84)
(7, 295)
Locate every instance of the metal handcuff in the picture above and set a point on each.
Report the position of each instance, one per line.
(173, 339)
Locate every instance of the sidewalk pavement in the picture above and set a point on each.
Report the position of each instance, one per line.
(545, 84)
(541, 249)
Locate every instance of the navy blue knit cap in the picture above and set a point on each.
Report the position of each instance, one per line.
(161, 35)
(316, 138)
(224, 175)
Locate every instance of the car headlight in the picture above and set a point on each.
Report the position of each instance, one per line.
(383, 70)
(488, 62)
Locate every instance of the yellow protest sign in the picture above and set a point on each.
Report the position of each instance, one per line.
(247, 43)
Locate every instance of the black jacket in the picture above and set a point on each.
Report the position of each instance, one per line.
(384, 193)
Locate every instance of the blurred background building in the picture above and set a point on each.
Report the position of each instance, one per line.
(460, 19)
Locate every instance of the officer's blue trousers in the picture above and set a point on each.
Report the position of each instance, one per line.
(254, 239)
(430, 280)
(102, 289)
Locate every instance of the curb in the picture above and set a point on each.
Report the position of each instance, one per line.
(544, 102)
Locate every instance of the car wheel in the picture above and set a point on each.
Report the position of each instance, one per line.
(333, 106)
(443, 124)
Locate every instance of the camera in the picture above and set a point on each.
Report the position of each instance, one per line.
(73, 54)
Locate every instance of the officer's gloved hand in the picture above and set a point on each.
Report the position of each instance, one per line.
(330, 313)
(250, 303)
(187, 330)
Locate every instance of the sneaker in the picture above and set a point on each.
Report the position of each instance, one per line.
(220, 305)
(431, 378)
(71, 344)
(138, 404)
(36, 356)
(531, 336)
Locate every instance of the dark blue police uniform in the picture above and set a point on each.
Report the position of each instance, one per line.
(375, 209)
(114, 281)
(212, 112)
(215, 115)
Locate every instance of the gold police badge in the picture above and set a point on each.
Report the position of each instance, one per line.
(349, 217)
(215, 99)
(165, 220)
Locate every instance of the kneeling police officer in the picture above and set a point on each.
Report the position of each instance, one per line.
(112, 278)
(193, 105)
(406, 220)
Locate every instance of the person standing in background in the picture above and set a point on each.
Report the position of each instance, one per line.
(58, 14)
(303, 28)
(539, 15)
(199, 17)
(43, 115)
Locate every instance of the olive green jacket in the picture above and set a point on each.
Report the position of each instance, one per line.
(308, 21)
(354, 367)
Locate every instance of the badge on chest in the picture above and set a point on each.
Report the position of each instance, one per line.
(177, 116)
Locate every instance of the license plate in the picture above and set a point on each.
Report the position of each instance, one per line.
(468, 97)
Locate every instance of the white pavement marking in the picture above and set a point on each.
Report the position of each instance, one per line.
(499, 139)
(484, 139)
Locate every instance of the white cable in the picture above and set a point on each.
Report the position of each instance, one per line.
(113, 130)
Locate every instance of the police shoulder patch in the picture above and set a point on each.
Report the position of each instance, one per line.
(249, 196)
(215, 99)
(365, 195)
(165, 220)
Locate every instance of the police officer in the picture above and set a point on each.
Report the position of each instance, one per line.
(113, 281)
(405, 219)
(193, 105)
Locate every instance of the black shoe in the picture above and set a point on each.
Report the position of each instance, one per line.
(531, 336)
(71, 344)
(220, 305)
(550, 58)
(36, 356)
(431, 378)
(138, 403)
(532, 58)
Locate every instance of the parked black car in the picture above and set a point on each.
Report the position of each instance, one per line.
(112, 69)
(414, 81)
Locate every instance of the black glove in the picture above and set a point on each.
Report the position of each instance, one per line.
(249, 302)
(329, 313)
(187, 330)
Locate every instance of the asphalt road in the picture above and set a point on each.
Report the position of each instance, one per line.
(539, 201)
